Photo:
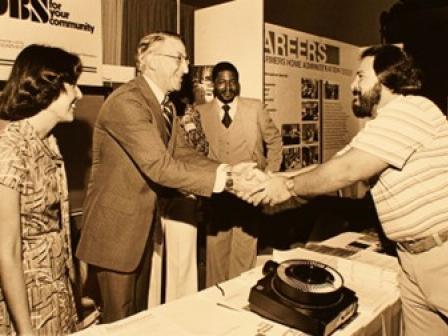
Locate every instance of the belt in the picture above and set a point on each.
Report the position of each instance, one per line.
(424, 244)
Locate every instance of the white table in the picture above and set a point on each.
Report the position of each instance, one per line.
(223, 311)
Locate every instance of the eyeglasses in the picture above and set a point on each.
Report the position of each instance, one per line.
(178, 58)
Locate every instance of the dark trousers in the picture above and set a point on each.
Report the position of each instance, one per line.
(124, 294)
(231, 244)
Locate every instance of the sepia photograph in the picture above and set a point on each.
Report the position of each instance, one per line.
(223, 168)
(310, 110)
(310, 88)
(291, 158)
(291, 134)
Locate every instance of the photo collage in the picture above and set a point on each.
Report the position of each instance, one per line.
(301, 141)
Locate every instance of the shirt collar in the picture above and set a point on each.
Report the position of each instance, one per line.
(232, 105)
(155, 89)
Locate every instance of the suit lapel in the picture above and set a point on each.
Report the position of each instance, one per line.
(154, 107)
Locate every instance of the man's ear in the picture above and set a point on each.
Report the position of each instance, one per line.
(148, 61)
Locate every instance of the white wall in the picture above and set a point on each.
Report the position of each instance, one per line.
(233, 32)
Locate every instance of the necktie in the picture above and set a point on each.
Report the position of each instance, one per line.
(168, 114)
(226, 120)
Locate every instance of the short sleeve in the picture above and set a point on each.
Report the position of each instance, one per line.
(395, 134)
(12, 168)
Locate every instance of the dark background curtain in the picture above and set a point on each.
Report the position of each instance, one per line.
(112, 19)
(187, 28)
(141, 17)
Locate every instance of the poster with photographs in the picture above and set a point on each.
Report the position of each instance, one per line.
(307, 93)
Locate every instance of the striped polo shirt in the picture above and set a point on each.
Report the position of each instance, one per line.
(411, 196)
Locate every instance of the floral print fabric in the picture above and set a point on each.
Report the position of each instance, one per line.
(34, 168)
(194, 134)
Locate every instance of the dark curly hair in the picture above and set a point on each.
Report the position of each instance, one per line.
(224, 66)
(37, 79)
(394, 68)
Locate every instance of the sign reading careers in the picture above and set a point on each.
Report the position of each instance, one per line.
(74, 25)
(307, 92)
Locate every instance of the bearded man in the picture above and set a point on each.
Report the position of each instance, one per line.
(403, 152)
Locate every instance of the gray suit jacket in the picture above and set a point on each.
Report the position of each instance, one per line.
(259, 128)
(133, 167)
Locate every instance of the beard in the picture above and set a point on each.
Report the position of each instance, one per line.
(364, 104)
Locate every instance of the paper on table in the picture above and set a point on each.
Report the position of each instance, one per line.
(215, 320)
(237, 291)
(144, 323)
(379, 265)
(380, 260)
(388, 266)
(262, 327)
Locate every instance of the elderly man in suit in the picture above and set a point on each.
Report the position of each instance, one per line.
(139, 162)
(237, 129)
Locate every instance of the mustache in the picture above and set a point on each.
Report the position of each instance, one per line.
(356, 92)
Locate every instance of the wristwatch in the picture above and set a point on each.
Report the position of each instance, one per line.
(229, 180)
(290, 186)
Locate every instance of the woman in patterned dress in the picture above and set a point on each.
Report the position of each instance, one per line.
(36, 268)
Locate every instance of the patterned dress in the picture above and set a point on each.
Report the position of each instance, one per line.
(34, 168)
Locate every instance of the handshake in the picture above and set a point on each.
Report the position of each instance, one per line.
(274, 191)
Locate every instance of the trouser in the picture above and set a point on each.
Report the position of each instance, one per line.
(124, 294)
(179, 245)
(424, 291)
(181, 263)
(231, 242)
(229, 253)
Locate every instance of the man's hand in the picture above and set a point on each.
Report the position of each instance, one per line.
(272, 191)
(246, 177)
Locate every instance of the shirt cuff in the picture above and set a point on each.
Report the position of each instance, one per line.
(221, 176)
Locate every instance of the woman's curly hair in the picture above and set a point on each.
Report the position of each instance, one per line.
(394, 68)
(37, 79)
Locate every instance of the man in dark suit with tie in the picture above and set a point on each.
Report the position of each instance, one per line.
(139, 161)
(237, 129)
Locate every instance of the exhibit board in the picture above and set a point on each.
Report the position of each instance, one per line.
(74, 25)
(307, 92)
(233, 32)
